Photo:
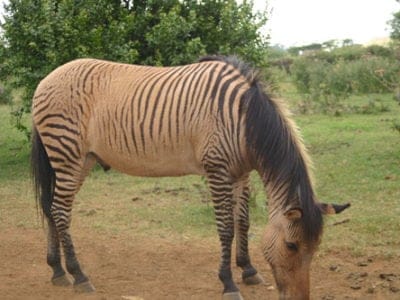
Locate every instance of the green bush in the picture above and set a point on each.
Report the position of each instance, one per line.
(349, 53)
(5, 95)
(374, 75)
(369, 74)
(327, 78)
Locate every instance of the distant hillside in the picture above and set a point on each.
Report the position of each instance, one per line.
(379, 41)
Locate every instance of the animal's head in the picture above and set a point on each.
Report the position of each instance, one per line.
(289, 248)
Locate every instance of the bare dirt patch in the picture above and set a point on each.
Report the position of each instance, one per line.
(123, 266)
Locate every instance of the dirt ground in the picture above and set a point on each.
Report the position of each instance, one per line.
(137, 268)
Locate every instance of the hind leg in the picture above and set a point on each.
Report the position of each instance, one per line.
(61, 213)
(54, 256)
(241, 196)
(67, 185)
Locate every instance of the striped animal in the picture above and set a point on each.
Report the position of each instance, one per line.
(210, 118)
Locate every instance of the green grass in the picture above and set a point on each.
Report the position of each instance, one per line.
(16, 199)
(14, 149)
(356, 159)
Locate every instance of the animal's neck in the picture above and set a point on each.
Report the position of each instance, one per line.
(295, 191)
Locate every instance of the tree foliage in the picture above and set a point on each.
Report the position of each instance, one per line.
(395, 26)
(39, 35)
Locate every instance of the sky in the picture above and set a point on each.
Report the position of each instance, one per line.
(303, 22)
(297, 23)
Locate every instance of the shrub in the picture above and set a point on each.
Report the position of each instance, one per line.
(5, 95)
(322, 80)
(376, 74)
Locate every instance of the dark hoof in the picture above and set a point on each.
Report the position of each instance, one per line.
(252, 280)
(84, 287)
(62, 280)
(232, 296)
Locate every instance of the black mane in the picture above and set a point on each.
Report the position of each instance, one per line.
(244, 68)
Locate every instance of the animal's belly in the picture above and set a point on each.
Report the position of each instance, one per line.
(155, 164)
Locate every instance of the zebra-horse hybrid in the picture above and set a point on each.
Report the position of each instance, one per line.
(212, 118)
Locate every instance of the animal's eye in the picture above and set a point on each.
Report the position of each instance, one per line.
(291, 246)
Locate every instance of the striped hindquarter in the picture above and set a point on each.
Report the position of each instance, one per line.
(145, 121)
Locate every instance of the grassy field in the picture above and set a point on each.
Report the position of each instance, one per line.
(356, 159)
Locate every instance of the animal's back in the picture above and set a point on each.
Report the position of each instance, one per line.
(141, 120)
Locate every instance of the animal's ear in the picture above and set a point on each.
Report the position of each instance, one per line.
(332, 209)
(293, 214)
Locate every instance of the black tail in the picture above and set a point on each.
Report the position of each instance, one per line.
(43, 174)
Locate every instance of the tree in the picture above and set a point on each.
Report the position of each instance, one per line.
(395, 26)
(39, 35)
(347, 42)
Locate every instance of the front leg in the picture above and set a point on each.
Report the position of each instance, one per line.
(242, 225)
(222, 196)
